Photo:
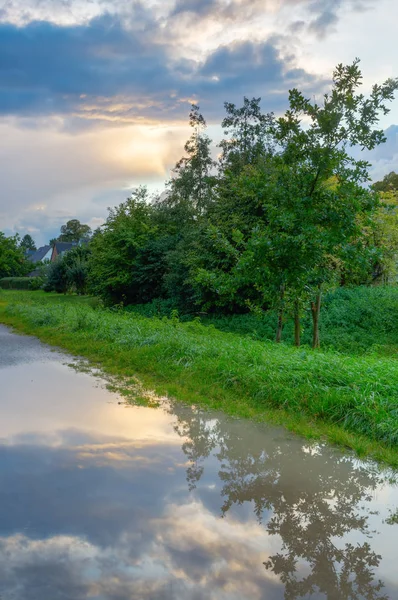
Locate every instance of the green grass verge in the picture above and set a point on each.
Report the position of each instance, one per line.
(352, 401)
(358, 320)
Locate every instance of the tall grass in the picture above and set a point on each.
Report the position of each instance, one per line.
(353, 320)
(356, 393)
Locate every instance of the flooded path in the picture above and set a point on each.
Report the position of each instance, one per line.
(104, 501)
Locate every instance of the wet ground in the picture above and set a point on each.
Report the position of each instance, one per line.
(103, 501)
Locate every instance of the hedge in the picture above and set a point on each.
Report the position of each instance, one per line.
(17, 283)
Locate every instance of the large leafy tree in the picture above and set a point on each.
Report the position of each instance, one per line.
(74, 231)
(306, 204)
(319, 151)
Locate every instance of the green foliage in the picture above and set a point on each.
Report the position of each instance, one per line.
(57, 277)
(359, 320)
(17, 283)
(27, 243)
(117, 247)
(74, 231)
(69, 272)
(38, 282)
(388, 184)
(249, 136)
(193, 182)
(284, 216)
(12, 257)
(385, 239)
(76, 261)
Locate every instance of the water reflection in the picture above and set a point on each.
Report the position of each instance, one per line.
(308, 497)
(102, 502)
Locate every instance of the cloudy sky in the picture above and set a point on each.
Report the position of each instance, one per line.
(94, 94)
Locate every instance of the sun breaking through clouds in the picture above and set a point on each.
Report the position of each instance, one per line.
(95, 95)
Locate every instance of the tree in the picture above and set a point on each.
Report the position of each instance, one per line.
(321, 151)
(303, 209)
(12, 257)
(388, 184)
(116, 249)
(74, 231)
(76, 261)
(193, 182)
(27, 243)
(249, 135)
(57, 277)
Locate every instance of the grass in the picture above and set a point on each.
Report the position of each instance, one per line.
(361, 320)
(350, 400)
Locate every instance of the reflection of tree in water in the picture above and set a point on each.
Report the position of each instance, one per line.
(310, 498)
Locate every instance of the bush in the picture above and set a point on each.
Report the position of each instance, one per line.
(18, 283)
(57, 278)
(37, 283)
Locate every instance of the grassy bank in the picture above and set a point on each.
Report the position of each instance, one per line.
(349, 400)
(359, 320)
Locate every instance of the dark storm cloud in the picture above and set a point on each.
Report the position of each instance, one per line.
(82, 71)
(45, 66)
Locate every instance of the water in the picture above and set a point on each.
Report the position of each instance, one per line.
(103, 501)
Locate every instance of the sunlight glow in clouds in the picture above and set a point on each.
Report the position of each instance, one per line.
(95, 95)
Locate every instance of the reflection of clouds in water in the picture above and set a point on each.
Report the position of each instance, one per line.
(133, 508)
(113, 519)
(123, 520)
(190, 550)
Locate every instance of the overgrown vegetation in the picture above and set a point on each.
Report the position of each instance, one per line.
(351, 400)
(282, 217)
(355, 320)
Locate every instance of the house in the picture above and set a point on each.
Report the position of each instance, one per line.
(50, 253)
(40, 255)
(59, 248)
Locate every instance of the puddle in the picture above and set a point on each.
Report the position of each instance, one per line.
(105, 501)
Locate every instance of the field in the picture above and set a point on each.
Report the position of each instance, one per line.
(346, 393)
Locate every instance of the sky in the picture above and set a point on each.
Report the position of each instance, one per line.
(95, 94)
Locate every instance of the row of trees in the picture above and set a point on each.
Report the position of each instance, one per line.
(283, 214)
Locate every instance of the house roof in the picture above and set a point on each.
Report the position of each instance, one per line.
(39, 254)
(64, 246)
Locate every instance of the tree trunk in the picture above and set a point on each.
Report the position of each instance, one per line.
(279, 329)
(297, 328)
(316, 310)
